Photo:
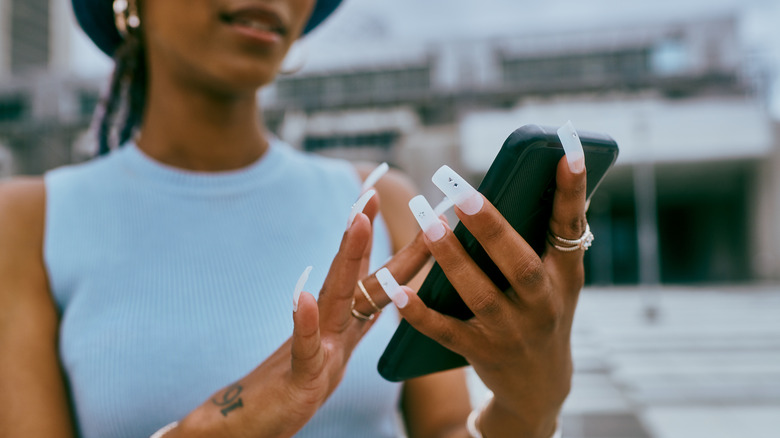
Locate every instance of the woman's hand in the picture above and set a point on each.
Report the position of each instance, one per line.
(282, 394)
(518, 340)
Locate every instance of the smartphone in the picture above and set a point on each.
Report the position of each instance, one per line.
(521, 184)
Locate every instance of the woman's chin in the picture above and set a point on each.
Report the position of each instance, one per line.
(250, 78)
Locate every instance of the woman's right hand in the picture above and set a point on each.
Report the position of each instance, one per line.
(282, 394)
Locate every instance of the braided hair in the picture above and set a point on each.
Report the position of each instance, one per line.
(119, 114)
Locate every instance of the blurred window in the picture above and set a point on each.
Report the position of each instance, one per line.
(88, 100)
(355, 87)
(603, 67)
(669, 57)
(12, 108)
(30, 36)
(381, 140)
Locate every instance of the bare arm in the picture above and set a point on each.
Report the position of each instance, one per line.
(276, 399)
(436, 405)
(33, 400)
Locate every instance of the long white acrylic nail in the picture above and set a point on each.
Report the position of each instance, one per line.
(374, 176)
(443, 206)
(456, 188)
(392, 288)
(359, 205)
(299, 287)
(572, 146)
(428, 220)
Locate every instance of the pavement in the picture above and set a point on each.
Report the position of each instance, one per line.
(675, 362)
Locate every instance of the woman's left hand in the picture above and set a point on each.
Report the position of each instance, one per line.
(518, 341)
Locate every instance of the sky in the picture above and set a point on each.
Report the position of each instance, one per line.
(405, 23)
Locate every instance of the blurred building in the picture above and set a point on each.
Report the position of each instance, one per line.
(694, 196)
(43, 109)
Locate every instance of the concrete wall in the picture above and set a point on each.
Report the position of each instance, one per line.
(5, 40)
(765, 206)
(61, 19)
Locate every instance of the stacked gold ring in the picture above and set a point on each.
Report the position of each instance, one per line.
(362, 316)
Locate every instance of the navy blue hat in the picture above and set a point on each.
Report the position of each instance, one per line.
(96, 17)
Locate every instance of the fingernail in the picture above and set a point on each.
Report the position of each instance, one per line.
(299, 287)
(359, 205)
(443, 206)
(392, 288)
(400, 299)
(572, 146)
(374, 176)
(428, 220)
(458, 190)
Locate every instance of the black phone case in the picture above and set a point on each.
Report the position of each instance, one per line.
(521, 184)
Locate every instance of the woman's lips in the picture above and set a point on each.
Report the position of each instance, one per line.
(259, 24)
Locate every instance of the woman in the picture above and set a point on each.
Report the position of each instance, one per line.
(151, 286)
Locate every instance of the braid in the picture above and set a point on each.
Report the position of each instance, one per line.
(120, 114)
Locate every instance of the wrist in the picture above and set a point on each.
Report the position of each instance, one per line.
(491, 420)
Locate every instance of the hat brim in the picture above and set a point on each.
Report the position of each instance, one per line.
(96, 18)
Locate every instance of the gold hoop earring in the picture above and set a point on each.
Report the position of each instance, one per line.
(126, 16)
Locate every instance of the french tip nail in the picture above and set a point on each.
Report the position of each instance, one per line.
(299, 287)
(428, 220)
(578, 165)
(359, 205)
(375, 176)
(456, 188)
(572, 147)
(392, 288)
(400, 299)
(388, 282)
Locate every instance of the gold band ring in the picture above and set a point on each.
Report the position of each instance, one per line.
(368, 297)
(361, 316)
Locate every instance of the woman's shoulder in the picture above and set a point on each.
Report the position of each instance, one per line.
(28, 315)
(22, 204)
(22, 213)
(22, 216)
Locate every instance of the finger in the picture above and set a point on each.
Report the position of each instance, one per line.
(472, 284)
(370, 210)
(568, 218)
(339, 286)
(568, 215)
(516, 260)
(307, 352)
(405, 264)
(450, 332)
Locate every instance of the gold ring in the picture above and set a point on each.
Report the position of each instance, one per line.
(361, 316)
(368, 297)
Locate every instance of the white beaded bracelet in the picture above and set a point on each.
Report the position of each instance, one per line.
(474, 432)
(164, 430)
(471, 422)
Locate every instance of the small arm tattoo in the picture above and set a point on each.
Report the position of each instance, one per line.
(229, 400)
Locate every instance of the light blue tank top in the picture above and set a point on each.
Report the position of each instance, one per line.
(173, 284)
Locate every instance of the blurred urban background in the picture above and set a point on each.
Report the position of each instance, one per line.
(678, 333)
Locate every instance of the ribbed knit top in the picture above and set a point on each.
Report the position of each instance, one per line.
(173, 284)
